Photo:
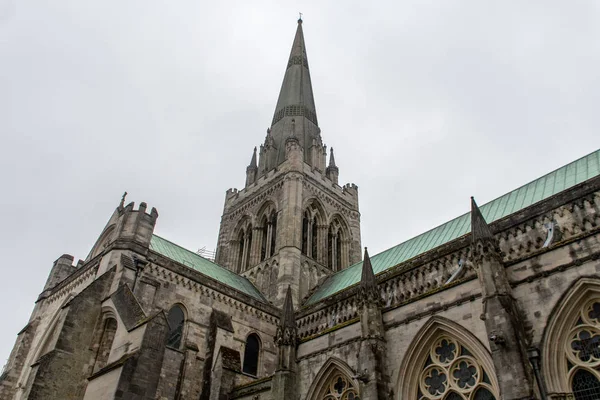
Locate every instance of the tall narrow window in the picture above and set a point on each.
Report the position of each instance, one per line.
(248, 247)
(106, 340)
(176, 319)
(240, 260)
(330, 248)
(273, 233)
(338, 252)
(265, 238)
(251, 355)
(305, 233)
(314, 238)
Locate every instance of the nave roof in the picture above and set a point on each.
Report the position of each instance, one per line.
(540, 189)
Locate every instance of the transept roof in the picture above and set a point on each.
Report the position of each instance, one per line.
(548, 185)
(204, 266)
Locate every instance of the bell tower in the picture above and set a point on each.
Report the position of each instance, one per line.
(292, 223)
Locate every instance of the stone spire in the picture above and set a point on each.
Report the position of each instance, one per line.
(332, 172)
(296, 101)
(286, 331)
(368, 292)
(253, 160)
(332, 160)
(284, 381)
(251, 170)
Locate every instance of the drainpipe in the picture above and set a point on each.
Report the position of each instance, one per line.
(534, 358)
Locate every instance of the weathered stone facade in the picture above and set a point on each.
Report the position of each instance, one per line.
(508, 309)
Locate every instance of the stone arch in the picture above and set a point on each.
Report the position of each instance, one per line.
(177, 317)
(47, 340)
(314, 226)
(266, 227)
(339, 241)
(242, 237)
(103, 241)
(104, 338)
(558, 366)
(252, 354)
(328, 376)
(414, 365)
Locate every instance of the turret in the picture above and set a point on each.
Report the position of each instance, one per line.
(333, 171)
(251, 170)
(62, 268)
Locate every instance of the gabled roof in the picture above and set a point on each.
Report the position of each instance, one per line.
(548, 185)
(204, 266)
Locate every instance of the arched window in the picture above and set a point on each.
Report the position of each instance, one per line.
(248, 247)
(451, 372)
(176, 320)
(313, 239)
(242, 243)
(251, 355)
(273, 233)
(105, 344)
(265, 239)
(333, 382)
(305, 233)
(583, 352)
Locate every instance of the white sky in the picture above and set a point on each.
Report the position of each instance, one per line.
(425, 102)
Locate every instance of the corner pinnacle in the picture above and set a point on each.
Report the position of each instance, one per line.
(479, 227)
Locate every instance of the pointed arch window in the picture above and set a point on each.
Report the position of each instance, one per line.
(109, 329)
(451, 372)
(242, 243)
(273, 234)
(251, 355)
(583, 352)
(176, 321)
(265, 238)
(305, 220)
(337, 257)
(340, 387)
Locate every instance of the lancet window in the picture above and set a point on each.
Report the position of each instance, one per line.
(244, 248)
(451, 372)
(269, 235)
(109, 329)
(314, 232)
(337, 246)
(251, 355)
(583, 352)
(176, 321)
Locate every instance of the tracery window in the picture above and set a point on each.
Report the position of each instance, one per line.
(451, 372)
(583, 353)
(340, 388)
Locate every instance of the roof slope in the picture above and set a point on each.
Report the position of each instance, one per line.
(204, 266)
(548, 185)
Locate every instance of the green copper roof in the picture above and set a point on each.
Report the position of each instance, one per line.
(204, 266)
(561, 179)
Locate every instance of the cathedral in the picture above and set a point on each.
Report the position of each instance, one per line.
(502, 302)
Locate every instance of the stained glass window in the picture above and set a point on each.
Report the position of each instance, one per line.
(340, 388)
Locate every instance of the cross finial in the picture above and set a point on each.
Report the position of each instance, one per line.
(300, 18)
(123, 200)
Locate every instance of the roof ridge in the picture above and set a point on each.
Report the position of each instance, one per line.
(492, 218)
(193, 253)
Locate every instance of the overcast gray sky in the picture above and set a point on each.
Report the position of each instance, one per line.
(425, 102)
